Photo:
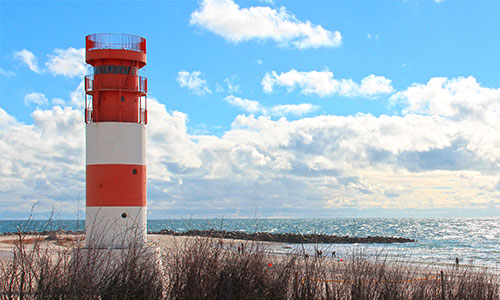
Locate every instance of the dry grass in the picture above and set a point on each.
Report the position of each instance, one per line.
(202, 268)
(39, 270)
(26, 241)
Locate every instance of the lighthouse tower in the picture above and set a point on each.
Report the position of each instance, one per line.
(116, 118)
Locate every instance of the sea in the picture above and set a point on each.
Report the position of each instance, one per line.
(439, 241)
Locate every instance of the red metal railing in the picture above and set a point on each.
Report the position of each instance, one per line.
(143, 84)
(115, 41)
(90, 115)
(88, 108)
(143, 110)
(89, 83)
(140, 86)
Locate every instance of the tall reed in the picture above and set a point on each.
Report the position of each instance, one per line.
(202, 268)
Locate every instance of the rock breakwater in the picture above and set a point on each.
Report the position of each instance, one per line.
(291, 238)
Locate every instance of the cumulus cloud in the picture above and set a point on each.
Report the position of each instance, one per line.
(77, 97)
(314, 166)
(67, 62)
(322, 83)
(254, 107)
(465, 102)
(247, 105)
(170, 148)
(29, 59)
(227, 19)
(43, 162)
(6, 119)
(193, 82)
(374, 85)
(292, 109)
(460, 98)
(36, 98)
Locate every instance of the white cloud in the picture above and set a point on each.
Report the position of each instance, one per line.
(254, 107)
(67, 62)
(77, 97)
(58, 101)
(232, 87)
(219, 88)
(170, 149)
(36, 98)
(29, 59)
(373, 85)
(465, 102)
(292, 109)
(43, 162)
(247, 105)
(323, 84)
(315, 166)
(193, 82)
(314, 82)
(457, 98)
(7, 73)
(227, 19)
(5, 119)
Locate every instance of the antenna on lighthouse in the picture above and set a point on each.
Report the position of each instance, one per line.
(116, 118)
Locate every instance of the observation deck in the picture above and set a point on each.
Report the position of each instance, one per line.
(115, 46)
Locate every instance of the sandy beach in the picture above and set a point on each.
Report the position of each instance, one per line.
(166, 243)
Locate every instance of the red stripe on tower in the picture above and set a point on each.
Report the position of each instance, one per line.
(115, 117)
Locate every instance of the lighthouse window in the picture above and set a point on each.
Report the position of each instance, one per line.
(110, 69)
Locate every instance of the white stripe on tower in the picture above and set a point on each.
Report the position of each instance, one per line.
(116, 184)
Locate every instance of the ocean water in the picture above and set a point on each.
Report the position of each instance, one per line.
(475, 241)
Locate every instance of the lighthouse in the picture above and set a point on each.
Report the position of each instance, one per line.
(116, 118)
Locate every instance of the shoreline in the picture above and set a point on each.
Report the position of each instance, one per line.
(289, 238)
(64, 239)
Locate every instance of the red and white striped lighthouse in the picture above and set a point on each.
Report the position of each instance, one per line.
(116, 118)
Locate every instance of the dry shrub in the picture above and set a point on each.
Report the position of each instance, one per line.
(200, 270)
(43, 271)
(204, 269)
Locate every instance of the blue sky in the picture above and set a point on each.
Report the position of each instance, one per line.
(268, 108)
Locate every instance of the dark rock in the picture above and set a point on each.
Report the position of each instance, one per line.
(290, 238)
